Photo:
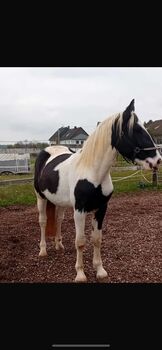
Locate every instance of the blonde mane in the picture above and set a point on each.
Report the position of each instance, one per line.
(99, 141)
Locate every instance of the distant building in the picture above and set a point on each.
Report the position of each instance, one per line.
(73, 138)
(155, 130)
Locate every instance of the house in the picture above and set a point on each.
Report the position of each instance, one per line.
(73, 138)
(155, 130)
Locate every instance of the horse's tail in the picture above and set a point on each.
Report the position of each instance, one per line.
(51, 225)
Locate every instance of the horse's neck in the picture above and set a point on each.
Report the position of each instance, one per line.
(97, 155)
(103, 165)
(99, 169)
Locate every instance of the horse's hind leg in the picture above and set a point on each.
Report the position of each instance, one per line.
(59, 218)
(80, 240)
(96, 240)
(41, 204)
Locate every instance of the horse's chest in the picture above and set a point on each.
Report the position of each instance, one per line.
(88, 197)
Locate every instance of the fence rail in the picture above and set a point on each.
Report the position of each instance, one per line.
(15, 181)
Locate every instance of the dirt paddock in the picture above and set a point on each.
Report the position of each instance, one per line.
(130, 247)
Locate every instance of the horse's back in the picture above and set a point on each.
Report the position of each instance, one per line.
(57, 150)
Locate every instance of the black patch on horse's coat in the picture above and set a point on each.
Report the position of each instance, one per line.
(129, 141)
(88, 198)
(40, 161)
(71, 150)
(100, 213)
(49, 178)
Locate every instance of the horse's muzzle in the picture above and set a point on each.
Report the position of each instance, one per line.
(153, 164)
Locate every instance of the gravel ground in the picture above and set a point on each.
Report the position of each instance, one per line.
(131, 245)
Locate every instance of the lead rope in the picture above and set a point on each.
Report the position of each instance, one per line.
(129, 176)
(150, 182)
(125, 177)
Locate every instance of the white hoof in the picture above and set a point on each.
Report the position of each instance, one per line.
(43, 252)
(101, 273)
(80, 277)
(59, 246)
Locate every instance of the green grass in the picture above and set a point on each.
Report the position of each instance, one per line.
(15, 176)
(140, 181)
(22, 194)
(17, 194)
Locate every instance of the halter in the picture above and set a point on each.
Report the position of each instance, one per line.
(138, 149)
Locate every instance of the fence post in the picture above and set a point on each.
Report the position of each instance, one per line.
(154, 178)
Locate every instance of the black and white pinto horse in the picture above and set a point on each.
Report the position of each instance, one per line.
(82, 180)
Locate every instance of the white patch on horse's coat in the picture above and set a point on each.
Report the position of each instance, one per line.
(107, 185)
(131, 123)
(145, 163)
(62, 195)
(56, 151)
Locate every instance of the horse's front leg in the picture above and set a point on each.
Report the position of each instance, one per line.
(96, 238)
(79, 219)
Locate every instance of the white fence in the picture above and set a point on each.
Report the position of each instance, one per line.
(19, 150)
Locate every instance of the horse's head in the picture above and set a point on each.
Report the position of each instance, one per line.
(133, 141)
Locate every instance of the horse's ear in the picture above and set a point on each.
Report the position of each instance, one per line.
(127, 112)
(131, 106)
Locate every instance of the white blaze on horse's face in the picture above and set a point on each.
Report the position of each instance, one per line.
(150, 163)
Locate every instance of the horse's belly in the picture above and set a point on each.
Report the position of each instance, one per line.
(61, 199)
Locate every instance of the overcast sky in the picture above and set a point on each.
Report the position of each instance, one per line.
(35, 102)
